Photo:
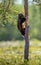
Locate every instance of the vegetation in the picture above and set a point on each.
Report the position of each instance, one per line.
(11, 41)
(13, 55)
(8, 21)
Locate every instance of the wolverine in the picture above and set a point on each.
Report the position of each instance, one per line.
(21, 23)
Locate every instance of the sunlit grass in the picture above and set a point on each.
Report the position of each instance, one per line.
(14, 55)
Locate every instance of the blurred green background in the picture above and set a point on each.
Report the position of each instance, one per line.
(12, 43)
(9, 9)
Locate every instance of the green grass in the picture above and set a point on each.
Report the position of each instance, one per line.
(14, 55)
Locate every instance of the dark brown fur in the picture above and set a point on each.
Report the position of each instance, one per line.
(21, 25)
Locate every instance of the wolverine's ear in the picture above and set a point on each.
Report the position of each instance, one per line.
(21, 16)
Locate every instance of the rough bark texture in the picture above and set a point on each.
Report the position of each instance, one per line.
(26, 51)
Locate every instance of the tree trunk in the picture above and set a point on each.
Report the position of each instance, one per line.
(26, 51)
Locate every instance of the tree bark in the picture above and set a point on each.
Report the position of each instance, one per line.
(26, 51)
